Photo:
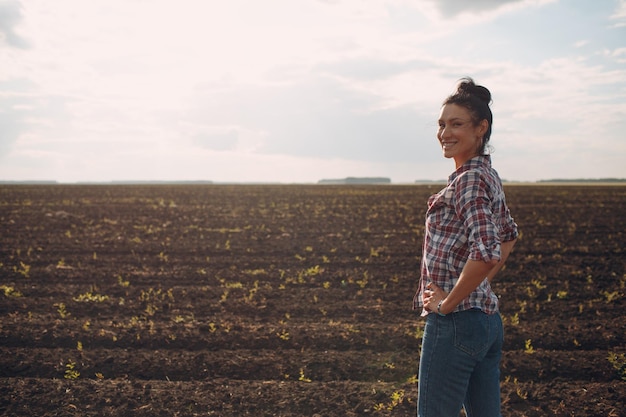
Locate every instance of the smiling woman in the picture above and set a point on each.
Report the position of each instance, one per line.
(468, 237)
(459, 136)
(465, 122)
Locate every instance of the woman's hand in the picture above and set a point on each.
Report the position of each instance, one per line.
(432, 296)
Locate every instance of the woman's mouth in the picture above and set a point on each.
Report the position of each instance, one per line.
(447, 144)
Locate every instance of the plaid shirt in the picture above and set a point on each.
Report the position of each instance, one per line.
(466, 220)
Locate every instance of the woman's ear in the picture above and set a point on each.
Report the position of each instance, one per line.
(482, 128)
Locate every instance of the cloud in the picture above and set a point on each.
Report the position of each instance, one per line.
(20, 110)
(619, 15)
(472, 12)
(10, 17)
(314, 117)
(373, 68)
(11, 121)
(452, 8)
(328, 88)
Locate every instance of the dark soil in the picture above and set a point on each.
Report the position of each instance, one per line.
(234, 300)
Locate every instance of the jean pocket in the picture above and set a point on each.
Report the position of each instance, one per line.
(471, 332)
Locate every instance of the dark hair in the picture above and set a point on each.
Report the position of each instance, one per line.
(476, 99)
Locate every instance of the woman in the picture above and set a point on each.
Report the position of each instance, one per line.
(469, 235)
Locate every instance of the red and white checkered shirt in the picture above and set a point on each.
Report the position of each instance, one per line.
(468, 219)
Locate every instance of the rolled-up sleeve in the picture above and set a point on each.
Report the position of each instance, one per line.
(509, 229)
(475, 207)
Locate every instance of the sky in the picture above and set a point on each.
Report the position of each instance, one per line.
(294, 91)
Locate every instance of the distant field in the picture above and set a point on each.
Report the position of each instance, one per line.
(287, 300)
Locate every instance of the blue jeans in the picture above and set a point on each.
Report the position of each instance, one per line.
(460, 365)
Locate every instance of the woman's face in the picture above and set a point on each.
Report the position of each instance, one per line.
(459, 137)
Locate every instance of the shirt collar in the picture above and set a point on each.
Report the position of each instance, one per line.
(480, 161)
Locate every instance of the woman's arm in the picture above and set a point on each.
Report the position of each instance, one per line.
(474, 272)
(505, 250)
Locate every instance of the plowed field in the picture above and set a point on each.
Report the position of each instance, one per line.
(288, 300)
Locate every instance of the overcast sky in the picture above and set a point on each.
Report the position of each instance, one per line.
(300, 90)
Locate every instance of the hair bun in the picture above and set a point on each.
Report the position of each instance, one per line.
(468, 87)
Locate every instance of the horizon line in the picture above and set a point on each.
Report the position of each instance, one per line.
(338, 181)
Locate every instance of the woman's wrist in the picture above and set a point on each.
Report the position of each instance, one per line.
(441, 313)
